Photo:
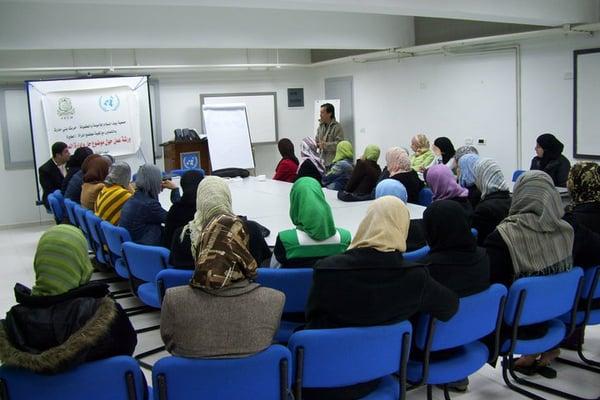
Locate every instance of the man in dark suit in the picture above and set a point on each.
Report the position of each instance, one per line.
(52, 173)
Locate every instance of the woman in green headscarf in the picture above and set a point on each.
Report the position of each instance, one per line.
(341, 168)
(315, 235)
(364, 177)
(64, 320)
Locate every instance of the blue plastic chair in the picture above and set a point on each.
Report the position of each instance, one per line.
(93, 224)
(116, 378)
(425, 197)
(517, 174)
(295, 283)
(145, 262)
(327, 358)
(416, 255)
(115, 236)
(82, 224)
(533, 300)
(478, 316)
(168, 278)
(56, 207)
(587, 316)
(70, 208)
(265, 375)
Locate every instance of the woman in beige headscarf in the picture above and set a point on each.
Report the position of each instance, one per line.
(228, 315)
(423, 156)
(371, 284)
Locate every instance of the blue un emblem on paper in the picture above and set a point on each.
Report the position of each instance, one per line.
(109, 103)
(190, 160)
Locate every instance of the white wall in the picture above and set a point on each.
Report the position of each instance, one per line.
(467, 96)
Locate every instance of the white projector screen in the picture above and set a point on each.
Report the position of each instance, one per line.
(228, 138)
(586, 118)
(110, 115)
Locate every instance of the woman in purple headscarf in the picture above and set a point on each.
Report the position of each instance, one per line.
(443, 184)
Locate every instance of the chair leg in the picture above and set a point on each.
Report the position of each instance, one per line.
(429, 392)
(446, 393)
(507, 368)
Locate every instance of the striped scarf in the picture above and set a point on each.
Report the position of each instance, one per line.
(109, 203)
(538, 240)
(61, 261)
(489, 177)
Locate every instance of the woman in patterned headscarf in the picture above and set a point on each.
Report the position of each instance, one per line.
(495, 198)
(213, 198)
(310, 162)
(229, 314)
(64, 320)
(533, 240)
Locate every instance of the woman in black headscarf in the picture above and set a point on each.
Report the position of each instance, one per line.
(549, 159)
(74, 165)
(444, 149)
(183, 211)
(454, 260)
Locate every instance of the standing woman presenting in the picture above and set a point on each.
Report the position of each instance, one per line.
(329, 133)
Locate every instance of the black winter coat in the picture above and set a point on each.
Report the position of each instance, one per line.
(489, 213)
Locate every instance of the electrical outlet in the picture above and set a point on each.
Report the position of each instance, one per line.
(481, 141)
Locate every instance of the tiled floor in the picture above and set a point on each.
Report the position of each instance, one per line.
(17, 248)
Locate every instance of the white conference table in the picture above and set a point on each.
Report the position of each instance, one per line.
(267, 202)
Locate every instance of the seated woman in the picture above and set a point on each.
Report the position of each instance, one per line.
(370, 284)
(213, 198)
(74, 166)
(288, 166)
(95, 170)
(311, 164)
(464, 150)
(416, 233)
(422, 157)
(549, 158)
(142, 215)
(364, 177)
(466, 177)
(115, 193)
(64, 320)
(315, 235)
(399, 168)
(444, 187)
(444, 151)
(341, 167)
(532, 240)
(182, 211)
(227, 314)
(495, 198)
(454, 260)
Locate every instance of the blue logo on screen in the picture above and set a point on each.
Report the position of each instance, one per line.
(109, 103)
(190, 161)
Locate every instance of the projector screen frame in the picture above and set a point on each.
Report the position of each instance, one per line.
(576, 153)
(27, 84)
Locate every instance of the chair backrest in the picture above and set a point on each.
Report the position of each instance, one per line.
(295, 283)
(168, 278)
(93, 224)
(58, 194)
(56, 208)
(145, 262)
(517, 174)
(425, 197)
(265, 375)
(70, 207)
(116, 378)
(416, 255)
(474, 232)
(478, 315)
(345, 356)
(115, 236)
(80, 215)
(545, 297)
(588, 281)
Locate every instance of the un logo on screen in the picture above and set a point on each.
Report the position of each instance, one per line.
(109, 103)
